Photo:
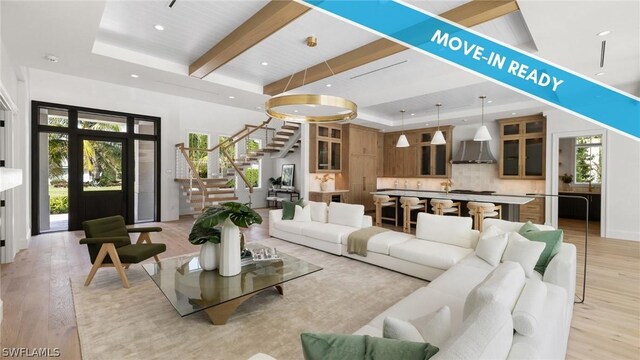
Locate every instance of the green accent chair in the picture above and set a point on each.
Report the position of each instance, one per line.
(110, 236)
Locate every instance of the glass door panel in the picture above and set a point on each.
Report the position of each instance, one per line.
(534, 151)
(53, 182)
(102, 165)
(335, 156)
(425, 163)
(145, 180)
(441, 160)
(510, 157)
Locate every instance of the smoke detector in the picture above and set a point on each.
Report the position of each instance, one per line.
(52, 58)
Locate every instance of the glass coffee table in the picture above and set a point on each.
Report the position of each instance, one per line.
(190, 289)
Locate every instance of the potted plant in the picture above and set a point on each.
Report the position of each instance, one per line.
(220, 225)
(566, 178)
(324, 179)
(275, 182)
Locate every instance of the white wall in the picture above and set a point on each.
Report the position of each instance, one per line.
(621, 174)
(177, 113)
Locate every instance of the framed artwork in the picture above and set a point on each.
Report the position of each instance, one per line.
(287, 175)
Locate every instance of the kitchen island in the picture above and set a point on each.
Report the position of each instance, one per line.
(510, 203)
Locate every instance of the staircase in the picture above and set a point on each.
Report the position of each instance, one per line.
(219, 186)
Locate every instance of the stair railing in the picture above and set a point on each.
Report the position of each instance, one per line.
(192, 172)
(238, 171)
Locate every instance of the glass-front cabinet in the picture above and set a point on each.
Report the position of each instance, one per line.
(326, 154)
(434, 159)
(522, 147)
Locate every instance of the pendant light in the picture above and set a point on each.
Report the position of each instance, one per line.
(482, 134)
(438, 138)
(402, 140)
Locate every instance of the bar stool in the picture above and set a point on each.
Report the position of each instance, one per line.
(480, 210)
(381, 201)
(409, 204)
(443, 207)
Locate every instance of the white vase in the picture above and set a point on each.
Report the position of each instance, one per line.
(230, 249)
(209, 256)
(323, 186)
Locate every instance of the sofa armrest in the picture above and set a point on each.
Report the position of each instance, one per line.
(561, 270)
(367, 221)
(274, 216)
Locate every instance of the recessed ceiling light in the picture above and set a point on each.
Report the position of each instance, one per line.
(328, 85)
(259, 107)
(464, 120)
(604, 33)
(427, 124)
(513, 113)
(264, 63)
(158, 27)
(489, 102)
(295, 111)
(135, 76)
(413, 114)
(52, 58)
(599, 74)
(231, 97)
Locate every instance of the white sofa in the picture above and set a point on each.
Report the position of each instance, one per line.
(327, 227)
(452, 287)
(440, 243)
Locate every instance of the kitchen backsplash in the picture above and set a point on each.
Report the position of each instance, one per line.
(468, 177)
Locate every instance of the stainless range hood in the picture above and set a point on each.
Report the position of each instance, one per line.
(474, 152)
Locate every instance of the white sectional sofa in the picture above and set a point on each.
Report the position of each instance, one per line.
(328, 227)
(454, 285)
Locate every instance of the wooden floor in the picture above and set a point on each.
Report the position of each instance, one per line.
(38, 306)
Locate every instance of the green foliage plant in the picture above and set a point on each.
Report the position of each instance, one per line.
(208, 225)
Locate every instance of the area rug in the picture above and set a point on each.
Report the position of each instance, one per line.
(140, 323)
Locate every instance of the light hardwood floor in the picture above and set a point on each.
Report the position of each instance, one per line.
(38, 306)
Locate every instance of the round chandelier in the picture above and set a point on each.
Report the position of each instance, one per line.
(311, 108)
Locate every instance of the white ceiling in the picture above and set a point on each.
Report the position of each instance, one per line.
(109, 40)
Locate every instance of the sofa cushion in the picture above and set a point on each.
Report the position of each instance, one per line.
(380, 243)
(290, 226)
(462, 277)
(341, 346)
(434, 328)
(453, 230)
(346, 214)
(289, 208)
(486, 334)
(318, 211)
(551, 238)
(327, 232)
(429, 253)
(527, 313)
(302, 214)
(502, 285)
(491, 245)
(523, 251)
(509, 226)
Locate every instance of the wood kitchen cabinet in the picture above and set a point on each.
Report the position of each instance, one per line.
(421, 158)
(325, 148)
(522, 147)
(576, 208)
(360, 166)
(533, 211)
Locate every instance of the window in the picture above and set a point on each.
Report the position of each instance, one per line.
(102, 122)
(54, 117)
(199, 158)
(253, 172)
(588, 159)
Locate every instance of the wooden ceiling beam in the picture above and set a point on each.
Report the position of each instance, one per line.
(271, 18)
(470, 14)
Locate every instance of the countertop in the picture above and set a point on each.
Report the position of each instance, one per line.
(499, 199)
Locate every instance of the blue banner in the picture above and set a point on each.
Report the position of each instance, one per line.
(494, 60)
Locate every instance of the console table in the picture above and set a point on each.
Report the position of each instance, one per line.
(329, 196)
(272, 195)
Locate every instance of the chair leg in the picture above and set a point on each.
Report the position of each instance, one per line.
(145, 238)
(111, 249)
(96, 264)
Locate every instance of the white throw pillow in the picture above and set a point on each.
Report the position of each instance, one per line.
(452, 230)
(491, 245)
(302, 214)
(346, 214)
(393, 328)
(503, 285)
(433, 328)
(527, 313)
(318, 211)
(523, 251)
(486, 334)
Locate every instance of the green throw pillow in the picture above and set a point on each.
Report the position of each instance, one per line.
(552, 240)
(339, 346)
(289, 209)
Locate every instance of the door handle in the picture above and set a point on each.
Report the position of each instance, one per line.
(364, 188)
